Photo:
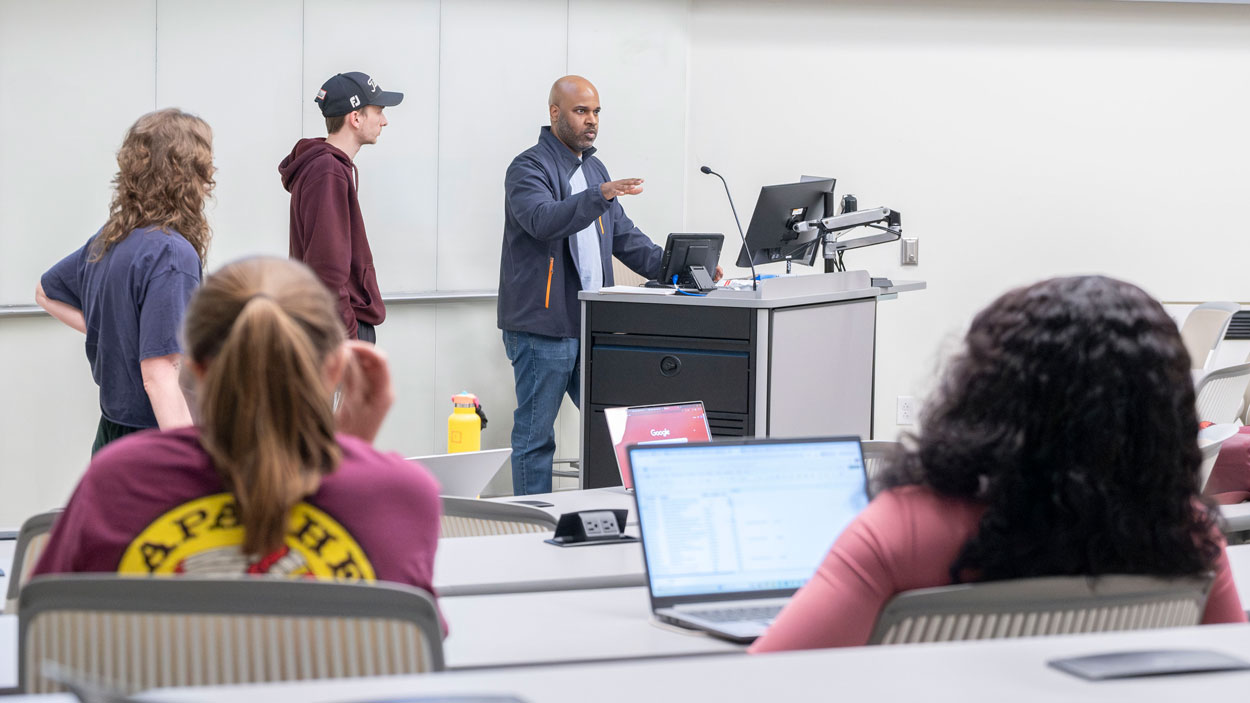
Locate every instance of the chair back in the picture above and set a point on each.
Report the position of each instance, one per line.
(31, 540)
(623, 275)
(1245, 405)
(470, 517)
(1034, 607)
(136, 633)
(877, 454)
(1210, 440)
(1221, 394)
(1204, 329)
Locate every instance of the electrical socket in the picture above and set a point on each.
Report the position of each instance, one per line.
(907, 410)
(910, 251)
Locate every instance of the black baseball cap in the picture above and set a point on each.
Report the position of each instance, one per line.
(348, 92)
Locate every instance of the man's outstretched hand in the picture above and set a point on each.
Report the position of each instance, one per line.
(625, 186)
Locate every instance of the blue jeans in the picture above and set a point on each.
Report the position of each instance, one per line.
(545, 368)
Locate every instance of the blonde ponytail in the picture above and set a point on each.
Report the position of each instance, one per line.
(262, 331)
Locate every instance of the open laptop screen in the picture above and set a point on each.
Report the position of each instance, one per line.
(742, 517)
(654, 424)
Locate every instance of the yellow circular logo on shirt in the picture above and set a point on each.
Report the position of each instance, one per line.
(204, 536)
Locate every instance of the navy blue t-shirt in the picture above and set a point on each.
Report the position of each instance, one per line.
(132, 299)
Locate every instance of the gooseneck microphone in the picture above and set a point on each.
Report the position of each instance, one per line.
(754, 278)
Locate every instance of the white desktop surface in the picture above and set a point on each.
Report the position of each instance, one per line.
(995, 671)
(525, 562)
(563, 626)
(573, 501)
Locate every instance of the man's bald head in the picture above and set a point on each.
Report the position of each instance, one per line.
(574, 108)
(569, 89)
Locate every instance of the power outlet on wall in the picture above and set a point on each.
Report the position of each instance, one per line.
(907, 410)
(910, 252)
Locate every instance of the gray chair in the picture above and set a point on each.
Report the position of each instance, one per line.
(1245, 405)
(574, 470)
(623, 275)
(1056, 605)
(131, 634)
(1221, 393)
(470, 517)
(1210, 440)
(1204, 329)
(31, 539)
(877, 455)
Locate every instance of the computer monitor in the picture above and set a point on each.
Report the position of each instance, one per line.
(683, 251)
(668, 423)
(743, 516)
(770, 237)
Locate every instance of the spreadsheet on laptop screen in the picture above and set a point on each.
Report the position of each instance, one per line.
(744, 517)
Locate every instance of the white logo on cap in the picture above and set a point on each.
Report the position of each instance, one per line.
(373, 86)
(321, 94)
(354, 100)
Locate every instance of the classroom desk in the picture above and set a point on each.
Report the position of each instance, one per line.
(994, 671)
(573, 501)
(1237, 516)
(525, 629)
(561, 627)
(522, 563)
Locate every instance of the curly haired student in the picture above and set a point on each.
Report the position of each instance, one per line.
(127, 287)
(1062, 442)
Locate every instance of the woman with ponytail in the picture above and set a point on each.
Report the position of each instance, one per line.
(271, 480)
(127, 287)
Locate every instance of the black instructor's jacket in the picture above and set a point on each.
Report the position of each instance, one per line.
(538, 280)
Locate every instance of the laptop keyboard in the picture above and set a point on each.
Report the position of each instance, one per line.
(739, 614)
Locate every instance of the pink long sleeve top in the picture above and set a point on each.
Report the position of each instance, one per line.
(905, 539)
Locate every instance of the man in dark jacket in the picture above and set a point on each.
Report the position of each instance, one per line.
(327, 229)
(563, 221)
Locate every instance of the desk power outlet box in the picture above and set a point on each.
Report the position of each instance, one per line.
(591, 527)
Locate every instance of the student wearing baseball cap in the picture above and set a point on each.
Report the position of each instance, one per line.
(327, 228)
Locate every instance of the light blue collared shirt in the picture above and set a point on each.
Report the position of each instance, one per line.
(589, 263)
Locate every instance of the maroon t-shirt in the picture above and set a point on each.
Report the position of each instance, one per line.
(151, 502)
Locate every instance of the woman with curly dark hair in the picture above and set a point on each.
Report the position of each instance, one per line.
(1062, 441)
(127, 287)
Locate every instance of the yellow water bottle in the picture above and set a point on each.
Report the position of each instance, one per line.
(464, 426)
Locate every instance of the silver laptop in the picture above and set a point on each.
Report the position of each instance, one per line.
(730, 530)
(464, 473)
(667, 423)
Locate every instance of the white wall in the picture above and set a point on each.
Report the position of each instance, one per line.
(475, 73)
(1020, 139)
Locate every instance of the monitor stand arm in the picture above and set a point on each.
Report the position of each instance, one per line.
(849, 220)
(833, 245)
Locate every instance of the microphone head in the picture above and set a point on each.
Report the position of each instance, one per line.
(705, 169)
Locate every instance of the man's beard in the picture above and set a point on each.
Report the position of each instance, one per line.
(565, 131)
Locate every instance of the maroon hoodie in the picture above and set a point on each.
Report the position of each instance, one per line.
(328, 231)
